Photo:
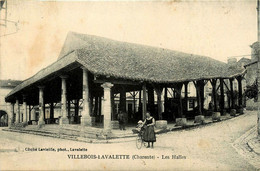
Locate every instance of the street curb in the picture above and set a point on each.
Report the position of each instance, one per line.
(252, 145)
(243, 148)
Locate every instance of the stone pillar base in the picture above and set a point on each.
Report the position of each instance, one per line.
(233, 112)
(107, 133)
(115, 124)
(216, 116)
(241, 111)
(63, 120)
(199, 119)
(41, 122)
(25, 123)
(161, 124)
(88, 121)
(181, 121)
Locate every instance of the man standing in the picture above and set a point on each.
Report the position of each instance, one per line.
(121, 120)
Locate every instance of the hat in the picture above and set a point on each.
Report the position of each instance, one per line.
(140, 121)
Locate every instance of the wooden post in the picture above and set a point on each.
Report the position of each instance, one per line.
(96, 106)
(196, 83)
(122, 100)
(202, 85)
(186, 96)
(222, 102)
(144, 101)
(240, 100)
(178, 88)
(232, 93)
(113, 106)
(134, 103)
(214, 90)
(140, 101)
(51, 113)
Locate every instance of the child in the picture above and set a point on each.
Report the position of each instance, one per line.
(139, 125)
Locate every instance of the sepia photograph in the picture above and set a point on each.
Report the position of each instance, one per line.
(130, 85)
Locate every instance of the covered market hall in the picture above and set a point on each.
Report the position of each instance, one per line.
(94, 77)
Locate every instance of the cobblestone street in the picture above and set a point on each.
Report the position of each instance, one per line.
(219, 146)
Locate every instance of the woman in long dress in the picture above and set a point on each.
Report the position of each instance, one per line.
(149, 134)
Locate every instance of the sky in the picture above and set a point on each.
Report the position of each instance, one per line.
(218, 29)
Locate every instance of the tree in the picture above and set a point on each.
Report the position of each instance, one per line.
(251, 91)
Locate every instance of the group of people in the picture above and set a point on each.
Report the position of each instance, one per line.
(147, 125)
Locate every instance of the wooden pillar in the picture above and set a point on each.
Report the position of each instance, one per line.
(240, 100)
(69, 108)
(186, 96)
(178, 88)
(76, 106)
(202, 85)
(222, 102)
(197, 85)
(100, 105)
(232, 93)
(140, 102)
(41, 106)
(51, 111)
(214, 97)
(96, 106)
(144, 101)
(29, 113)
(107, 106)
(134, 103)
(64, 110)
(122, 100)
(159, 102)
(113, 106)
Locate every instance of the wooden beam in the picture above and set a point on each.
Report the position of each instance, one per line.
(214, 97)
(240, 100)
(144, 101)
(232, 93)
(226, 86)
(222, 102)
(178, 88)
(115, 81)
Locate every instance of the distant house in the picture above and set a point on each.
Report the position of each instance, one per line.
(5, 87)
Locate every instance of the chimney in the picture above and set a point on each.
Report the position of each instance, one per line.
(232, 61)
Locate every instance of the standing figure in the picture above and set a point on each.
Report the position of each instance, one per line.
(149, 133)
(121, 120)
